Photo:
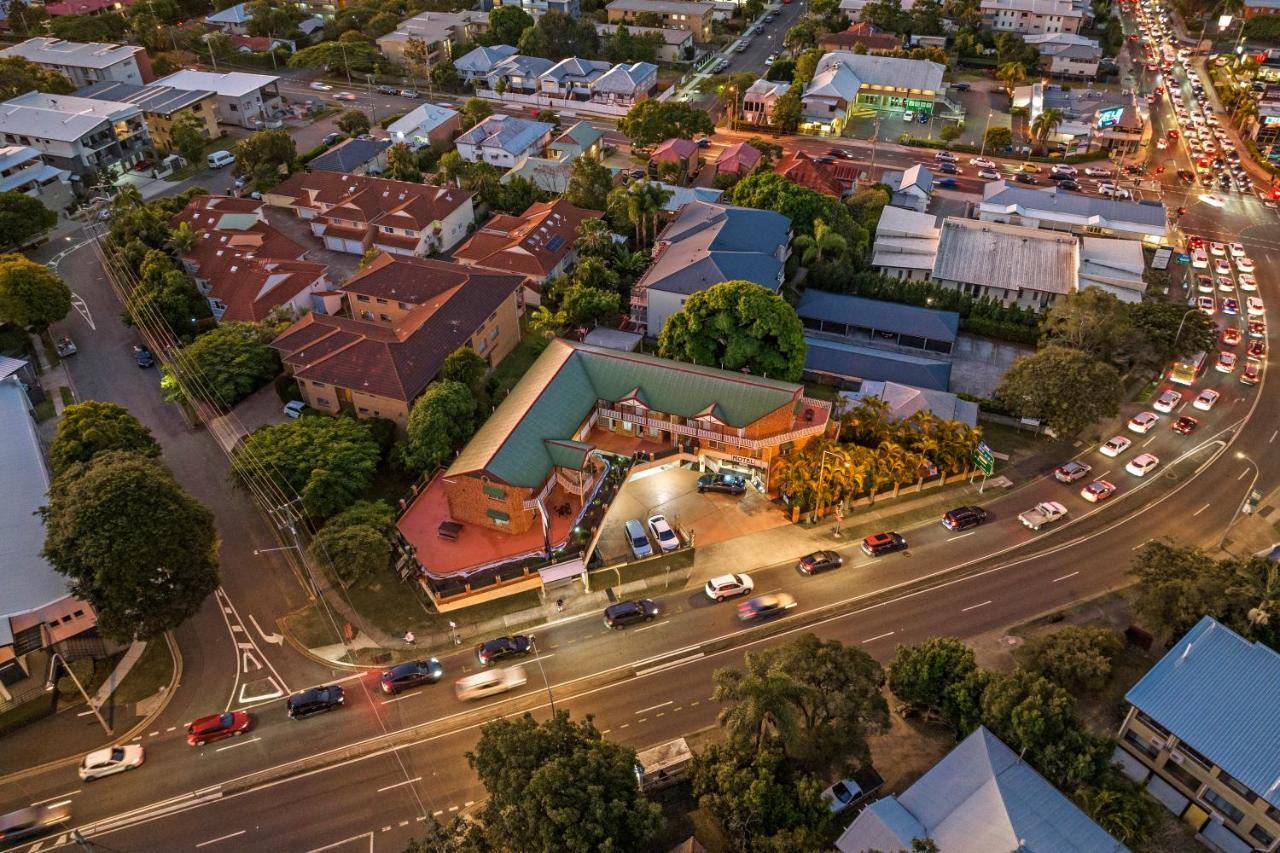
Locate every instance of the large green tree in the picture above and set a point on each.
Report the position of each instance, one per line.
(165, 293)
(440, 420)
(189, 136)
(92, 427)
(356, 543)
(803, 206)
(507, 24)
(652, 121)
(327, 461)
(1065, 388)
(266, 156)
(762, 801)
(737, 325)
(133, 543)
(924, 677)
(23, 218)
(590, 182)
(228, 363)
(1076, 657)
(560, 786)
(557, 35)
(31, 295)
(584, 305)
(338, 57)
(353, 122)
(19, 76)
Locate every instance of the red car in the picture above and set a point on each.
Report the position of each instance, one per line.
(1173, 134)
(1230, 336)
(1185, 425)
(218, 726)
(1257, 349)
(1249, 376)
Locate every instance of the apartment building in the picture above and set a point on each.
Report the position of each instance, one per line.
(22, 171)
(1201, 736)
(688, 15)
(1030, 17)
(78, 135)
(538, 8)
(675, 45)
(245, 100)
(162, 107)
(84, 64)
(438, 32)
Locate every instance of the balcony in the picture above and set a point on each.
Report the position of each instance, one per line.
(802, 428)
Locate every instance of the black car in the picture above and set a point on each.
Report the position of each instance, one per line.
(143, 357)
(964, 517)
(317, 700)
(492, 651)
(960, 87)
(947, 167)
(411, 674)
(883, 543)
(1024, 178)
(1069, 184)
(1186, 176)
(819, 561)
(388, 90)
(630, 612)
(733, 484)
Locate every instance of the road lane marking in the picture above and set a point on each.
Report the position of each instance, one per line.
(1273, 436)
(401, 697)
(975, 606)
(56, 797)
(453, 808)
(654, 625)
(624, 725)
(437, 813)
(239, 743)
(670, 664)
(879, 637)
(1200, 510)
(1104, 474)
(962, 535)
(656, 707)
(221, 838)
(642, 720)
(399, 784)
(1064, 577)
(695, 702)
(1148, 441)
(606, 731)
(1141, 544)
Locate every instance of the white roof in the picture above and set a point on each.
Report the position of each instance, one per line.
(482, 59)
(1064, 8)
(51, 51)
(625, 78)
(433, 26)
(421, 120)
(232, 84)
(841, 73)
(237, 14)
(64, 118)
(1115, 263)
(768, 88)
(900, 222)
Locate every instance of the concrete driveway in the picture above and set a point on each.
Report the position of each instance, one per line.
(673, 492)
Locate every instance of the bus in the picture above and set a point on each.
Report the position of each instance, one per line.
(1187, 371)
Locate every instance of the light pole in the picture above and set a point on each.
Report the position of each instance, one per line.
(1239, 506)
(822, 470)
(50, 685)
(1178, 334)
(537, 655)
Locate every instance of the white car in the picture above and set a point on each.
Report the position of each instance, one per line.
(294, 408)
(1244, 263)
(1207, 305)
(1236, 249)
(989, 174)
(982, 163)
(1221, 267)
(489, 682)
(1113, 191)
(667, 539)
(770, 59)
(321, 87)
(1042, 514)
(344, 96)
(1064, 169)
(1204, 402)
(842, 795)
(1254, 306)
(109, 761)
(1217, 249)
(1143, 422)
(1115, 445)
(1248, 282)
(1213, 200)
(1139, 465)
(1226, 362)
(1167, 402)
(909, 116)
(1096, 172)
(727, 586)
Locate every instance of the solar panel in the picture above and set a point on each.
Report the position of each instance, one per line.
(555, 243)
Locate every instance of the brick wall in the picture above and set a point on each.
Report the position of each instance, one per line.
(778, 421)
(470, 504)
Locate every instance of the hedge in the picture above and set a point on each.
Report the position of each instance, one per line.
(390, 120)
(987, 404)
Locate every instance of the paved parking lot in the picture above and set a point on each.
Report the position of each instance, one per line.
(711, 517)
(341, 265)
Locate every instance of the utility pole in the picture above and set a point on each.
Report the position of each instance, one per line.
(51, 685)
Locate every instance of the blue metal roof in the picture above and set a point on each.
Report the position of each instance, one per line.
(929, 323)
(855, 362)
(1219, 692)
(348, 155)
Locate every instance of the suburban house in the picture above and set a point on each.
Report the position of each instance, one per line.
(704, 245)
(680, 196)
(501, 140)
(77, 135)
(852, 340)
(1200, 736)
(738, 159)
(548, 175)
(625, 84)
(682, 153)
(517, 74)
(389, 328)
(1067, 54)
(538, 8)
(162, 106)
(245, 100)
(354, 156)
(36, 610)
(833, 179)
(537, 244)
(846, 83)
(1009, 263)
(1058, 210)
(427, 124)
(580, 140)
(671, 14)
(906, 244)
(353, 213)
(477, 63)
(572, 78)
(912, 188)
(1115, 266)
(1254, 8)
(860, 33)
(22, 171)
(76, 8)
(438, 32)
(84, 64)
(982, 797)
(1030, 17)
(245, 267)
(233, 20)
(757, 103)
(674, 46)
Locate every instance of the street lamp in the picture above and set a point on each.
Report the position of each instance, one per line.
(50, 685)
(1178, 334)
(1239, 506)
(537, 655)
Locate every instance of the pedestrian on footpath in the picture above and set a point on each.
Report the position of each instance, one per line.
(409, 638)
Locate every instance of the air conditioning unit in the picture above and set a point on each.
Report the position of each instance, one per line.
(1175, 757)
(1158, 742)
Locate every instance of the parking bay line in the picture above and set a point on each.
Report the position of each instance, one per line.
(56, 797)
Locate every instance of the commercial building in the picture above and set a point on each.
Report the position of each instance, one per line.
(1012, 264)
(83, 63)
(673, 45)
(353, 213)
(1254, 8)
(845, 83)
(707, 244)
(982, 797)
(694, 17)
(903, 401)
(1200, 735)
(244, 100)
(1030, 17)
(1086, 215)
(78, 135)
(388, 330)
(906, 244)
(502, 140)
(1266, 130)
(22, 171)
(162, 106)
(1067, 54)
(438, 32)
(426, 124)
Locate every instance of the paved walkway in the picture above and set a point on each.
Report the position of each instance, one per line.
(123, 667)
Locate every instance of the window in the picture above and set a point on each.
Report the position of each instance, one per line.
(318, 384)
(1140, 743)
(386, 318)
(1222, 805)
(78, 614)
(233, 108)
(493, 335)
(382, 302)
(498, 517)
(403, 306)
(494, 492)
(366, 315)
(1236, 785)
(1152, 724)
(1194, 756)
(363, 410)
(361, 298)
(1260, 834)
(1177, 773)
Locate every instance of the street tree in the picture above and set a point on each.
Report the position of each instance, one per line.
(1065, 388)
(998, 138)
(507, 24)
(19, 76)
(188, 136)
(356, 543)
(23, 218)
(344, 56)
(132, 542)
(440, 420)
(31, 295)
(353, 122)
(93, 427)
(328, 462)
(166, 294)
(761, 800)
(1170, 330)
(651, 121)
(229, 362)
(590, 182)
(787, 111)
(459, 835)
(1078, 658)
(559, 785)
(264, 157)
(951, 132)
(474, 111)
(737, 325)
(938, 677)
(1089, 320)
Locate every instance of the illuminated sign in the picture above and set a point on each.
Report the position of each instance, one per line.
(1109, 117)
(1270, 121)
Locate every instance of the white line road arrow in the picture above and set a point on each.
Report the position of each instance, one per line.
(278, 639)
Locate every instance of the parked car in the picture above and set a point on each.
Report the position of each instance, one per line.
(667, 538)
(1072, 471)
(732, 484)
(886, 542)
(765, 606)
(1042, 513)
(492, 651)
(726, 586)
(317, 700)
(848, 793)
(408, 93)
(964, 517)
(636, 539)
(143, 357)
(626, 613)
(332, 138)
(411, 674)
(217, 727)
(819, 561)
(112, 760)
(294, 408)
(65, 347)
(489, 683)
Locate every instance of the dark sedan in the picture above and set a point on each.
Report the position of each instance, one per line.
(630, 613)
(819, 561)
(412, 674)
(964, 517)
(733, 484)
(317, 700)
(492, 651)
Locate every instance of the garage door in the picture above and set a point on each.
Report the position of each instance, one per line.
(352, 247)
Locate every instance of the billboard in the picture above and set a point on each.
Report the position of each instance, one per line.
(1109, 117)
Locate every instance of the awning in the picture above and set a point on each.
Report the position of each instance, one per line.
(560, 571)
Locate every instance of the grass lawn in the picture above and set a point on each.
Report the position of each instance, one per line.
(1018, 443)
(389, 603)
(514, 366)
(819, 391)
(68, 398)
(45, 410)
(152, 671)
(310, 627)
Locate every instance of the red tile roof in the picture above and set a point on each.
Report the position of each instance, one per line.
(863, 34)
(828, 178)
(369, 200)
(675, 150)
(84, 7)
(532, 244)
(738, 159)
(450, 303)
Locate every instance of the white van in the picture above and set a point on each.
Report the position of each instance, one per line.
(218, 159)
(637, 539)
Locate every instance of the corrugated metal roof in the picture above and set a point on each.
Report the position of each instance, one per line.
(1219, 692)
(1060, 205)
(707, 244)
(1011, 257)
(928, 323)
(854, 362)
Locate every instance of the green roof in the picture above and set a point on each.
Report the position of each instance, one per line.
(563, 385)
(568, 454)
(582, 133)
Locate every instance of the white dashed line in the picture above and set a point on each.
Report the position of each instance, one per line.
(655, 707)
(400, 784)
(879, 637)
(1201, 509)
(1064, 577)
(975, 606)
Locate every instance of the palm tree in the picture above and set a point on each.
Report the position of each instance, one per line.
(764, 701)
(869, 422)
(181, 239)
(823, 241)
(544, 323)
(595, 239)
(1012, 74)
(1045, 124)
